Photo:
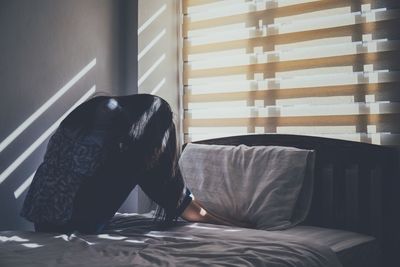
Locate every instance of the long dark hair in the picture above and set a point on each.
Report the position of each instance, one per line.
(152, 132)
(148, 144)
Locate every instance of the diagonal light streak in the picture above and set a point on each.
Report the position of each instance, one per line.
(150, 70)
(24, 186)
(152, 18)
(45, 106)
(158, 86)
(42, 138)
(151, 44)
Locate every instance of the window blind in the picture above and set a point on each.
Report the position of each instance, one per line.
(315, 67)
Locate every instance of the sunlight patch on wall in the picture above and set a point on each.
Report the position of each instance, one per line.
(151, 44)
(151, 70)
(148, 22)
(22, 127)
(24, 186)
(13, 166)
(158, 86)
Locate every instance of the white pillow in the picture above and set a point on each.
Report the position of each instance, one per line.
(261, 184)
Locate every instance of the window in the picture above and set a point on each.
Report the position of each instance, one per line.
(315, 67)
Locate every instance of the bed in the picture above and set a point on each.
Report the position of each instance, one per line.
(352, 221)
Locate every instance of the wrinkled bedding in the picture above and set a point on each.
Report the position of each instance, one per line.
(134, 240)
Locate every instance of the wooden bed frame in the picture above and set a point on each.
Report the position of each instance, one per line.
(356, 186)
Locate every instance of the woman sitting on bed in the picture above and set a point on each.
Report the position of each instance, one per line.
(99, 153)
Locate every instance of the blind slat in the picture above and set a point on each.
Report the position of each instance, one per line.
(360, 92)
(271, 122)
(379, 29)
(302, 53)
(382, 60)
(212, 36)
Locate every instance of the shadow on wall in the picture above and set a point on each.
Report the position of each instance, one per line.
(20, 168)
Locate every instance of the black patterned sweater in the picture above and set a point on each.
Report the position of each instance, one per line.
(73, 154)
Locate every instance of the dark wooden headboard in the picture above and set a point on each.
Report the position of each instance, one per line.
(356, 186)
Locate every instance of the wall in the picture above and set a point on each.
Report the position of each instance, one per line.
(158, 52)
(53, 53)
(158, 49)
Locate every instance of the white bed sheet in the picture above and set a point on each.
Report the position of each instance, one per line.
(132, 241)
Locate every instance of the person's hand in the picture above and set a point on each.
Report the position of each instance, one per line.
(195, 212)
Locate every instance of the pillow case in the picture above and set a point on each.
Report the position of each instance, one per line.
(260, 185)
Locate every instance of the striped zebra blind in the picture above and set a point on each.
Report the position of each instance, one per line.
(315, 67)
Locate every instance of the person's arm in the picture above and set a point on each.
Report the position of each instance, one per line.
(195, 212)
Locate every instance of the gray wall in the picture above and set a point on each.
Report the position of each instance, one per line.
(44, 44)
(158, 50)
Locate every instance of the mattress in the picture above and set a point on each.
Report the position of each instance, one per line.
(134, 240)
(352, 249)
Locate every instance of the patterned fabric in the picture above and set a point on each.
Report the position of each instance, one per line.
(67, 162)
